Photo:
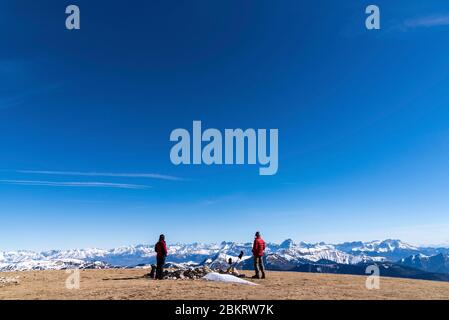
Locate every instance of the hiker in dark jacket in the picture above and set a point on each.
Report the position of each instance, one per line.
(161, 251)
(258, 249)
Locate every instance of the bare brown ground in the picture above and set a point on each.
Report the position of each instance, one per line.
(129, 284)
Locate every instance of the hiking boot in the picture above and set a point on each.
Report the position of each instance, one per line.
(255, 277)
(263, 275)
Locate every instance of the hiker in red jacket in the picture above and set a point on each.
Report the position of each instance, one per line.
(161, 250)
(258, 249)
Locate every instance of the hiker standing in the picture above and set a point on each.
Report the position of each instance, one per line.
(161, 251)
(258, 249)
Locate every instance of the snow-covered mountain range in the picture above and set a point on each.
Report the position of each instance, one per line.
(285, 256)
(438, 263)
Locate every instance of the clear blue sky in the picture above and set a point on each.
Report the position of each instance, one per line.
(363, 119)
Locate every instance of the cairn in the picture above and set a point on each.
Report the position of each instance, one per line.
(191, 273)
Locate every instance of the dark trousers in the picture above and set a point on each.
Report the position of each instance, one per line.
(258, 265)
(159, 267)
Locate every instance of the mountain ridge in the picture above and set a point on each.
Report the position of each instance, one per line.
(348, 257)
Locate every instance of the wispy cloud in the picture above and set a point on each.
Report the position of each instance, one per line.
(102, 174)
(75, 184)
(22, 97)
(427, 22)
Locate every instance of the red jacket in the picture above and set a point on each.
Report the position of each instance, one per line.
(161, 249)
(258, 247)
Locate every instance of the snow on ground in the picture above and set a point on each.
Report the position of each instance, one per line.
(213, 276)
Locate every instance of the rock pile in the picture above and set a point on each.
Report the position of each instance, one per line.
(193, 273)
(9, 281)
(190, 273)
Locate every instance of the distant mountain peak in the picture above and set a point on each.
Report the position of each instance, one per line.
(286, 244)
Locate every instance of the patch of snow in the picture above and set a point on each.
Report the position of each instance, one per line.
(213, 276)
